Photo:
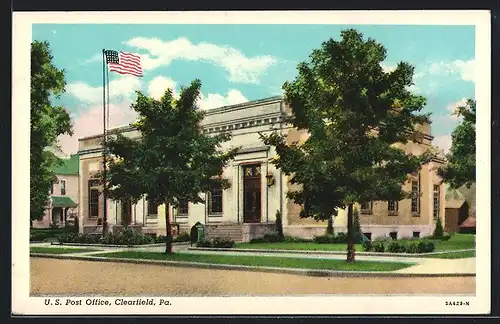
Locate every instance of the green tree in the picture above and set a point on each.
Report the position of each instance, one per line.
(354, 113)
(461, 167)
(438, 230)
(173, 160)
(47, 123)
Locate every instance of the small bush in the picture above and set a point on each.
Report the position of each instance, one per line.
(341, 237)
(367, 246)
(127, 237)
(183, 237)
(295, 239)
(412, 247)
(396, 247)
(325, 239)
(378, 246)
(216, 242)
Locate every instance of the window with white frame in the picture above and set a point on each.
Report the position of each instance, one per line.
(415, 198)
(183, 208)
(62, 185)
(436, 201)
(152, 209)
(93, 196)
(366, 207)
(392, 207)
(215, 199)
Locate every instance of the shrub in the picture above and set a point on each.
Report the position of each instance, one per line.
(323, 239)
(279, 226)
(438, 230)
(216, 242)
(294, 239)
(329, 227)
(127, 237)
(446, 236)
(367, 246)
(396, 247)
(412, 247)
(183, 237)
(378, 246)
(341, 237)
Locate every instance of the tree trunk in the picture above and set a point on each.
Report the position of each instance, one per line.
(168, 238)
(350, 235)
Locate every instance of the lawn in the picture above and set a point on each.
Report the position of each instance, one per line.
(54, 250)
(456, 242)
(263, 261)
(453, 255)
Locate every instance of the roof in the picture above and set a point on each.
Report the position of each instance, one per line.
(454, 203)
(68, 166)
(469, 222)
(63, 201)
(463, 193)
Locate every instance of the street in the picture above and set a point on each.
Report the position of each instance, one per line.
(60, 277)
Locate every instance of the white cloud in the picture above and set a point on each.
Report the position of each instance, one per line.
(443, 142)
(465, 69)
(214, 100)
(95, 58)
(159, 85)
(452, 108)
(119, 89)
(240, 68)
(89, 123)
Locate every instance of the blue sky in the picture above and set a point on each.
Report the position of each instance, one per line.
(237, 63)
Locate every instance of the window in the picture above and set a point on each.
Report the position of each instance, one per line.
(415, 198)
(366, 207)
(152, 209)
(93, 199)
(215, 199)
(436, 201)
(368, 235)
(183, 207)
(393, 235)
(416, 234)
(392, 207)
(63, 187)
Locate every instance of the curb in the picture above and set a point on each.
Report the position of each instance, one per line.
(117, 245)
(303, 272)
(408, 255)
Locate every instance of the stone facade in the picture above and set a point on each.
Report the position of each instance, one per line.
(245, 122)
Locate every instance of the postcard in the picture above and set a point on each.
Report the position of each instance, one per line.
(298, 162)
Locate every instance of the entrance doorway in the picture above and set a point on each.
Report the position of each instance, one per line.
(126, 212)
(252, 193)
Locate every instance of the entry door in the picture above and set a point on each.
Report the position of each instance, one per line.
(252, 193)
(126, 212)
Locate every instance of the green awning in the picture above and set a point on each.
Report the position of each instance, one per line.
(64, 202)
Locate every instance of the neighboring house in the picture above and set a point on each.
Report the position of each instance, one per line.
(248, 208)
(461, 209)
(64, 194)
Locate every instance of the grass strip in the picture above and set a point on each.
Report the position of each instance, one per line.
(53, 250)
(263, 261)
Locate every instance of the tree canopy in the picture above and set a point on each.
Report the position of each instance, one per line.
(174, 159)
(354, 113)
(47, 123)
(461, 167)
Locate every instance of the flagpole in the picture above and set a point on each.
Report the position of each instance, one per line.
(105, 191)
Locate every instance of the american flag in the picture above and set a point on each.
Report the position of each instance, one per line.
(124, 63)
